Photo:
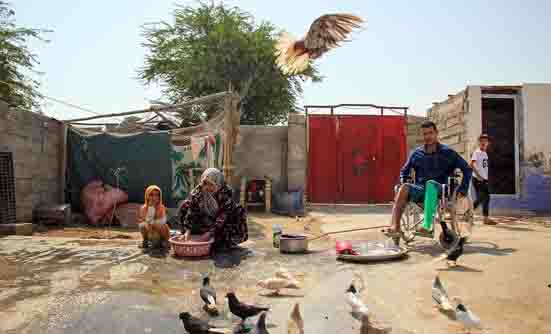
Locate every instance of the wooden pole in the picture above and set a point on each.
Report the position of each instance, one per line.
(172, 108)
(63, 162)
(228, 138)
(166, 119)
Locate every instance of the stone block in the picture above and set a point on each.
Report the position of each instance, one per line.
(296, 178)
(296, 120)
(24, 213)
(22, 170)
(24, 229)
(23, 191)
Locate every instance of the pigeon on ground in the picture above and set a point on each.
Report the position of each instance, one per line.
(295, 324)
(242, 310)
(208, 294)
(284, 273)
(353, 299)
(440, 295)
(465, 316)
(276, 284)
(456, 252)
(194, 325)
(260, 327)
(453, 253)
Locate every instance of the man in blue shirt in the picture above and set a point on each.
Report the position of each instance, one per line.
(432, 161)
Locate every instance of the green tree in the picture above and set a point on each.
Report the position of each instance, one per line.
(210, 45)
(17, 62)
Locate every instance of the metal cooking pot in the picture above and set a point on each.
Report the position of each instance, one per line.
(293, 243)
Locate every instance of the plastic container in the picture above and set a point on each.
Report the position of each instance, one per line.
(277, 230)
(190, 248)
(288, 203)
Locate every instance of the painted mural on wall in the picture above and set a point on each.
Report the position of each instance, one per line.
(535, 193)
(541, 160)
(188, 162)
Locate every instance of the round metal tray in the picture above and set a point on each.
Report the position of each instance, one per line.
(378, 254)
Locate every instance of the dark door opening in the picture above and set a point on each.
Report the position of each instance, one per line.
(498, 121)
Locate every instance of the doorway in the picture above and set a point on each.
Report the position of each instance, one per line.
(498, 121)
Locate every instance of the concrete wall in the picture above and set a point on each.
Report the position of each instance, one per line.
(297, 156)
(34, 141)
(537, 137)
(261, 151)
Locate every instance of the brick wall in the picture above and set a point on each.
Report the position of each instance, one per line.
(297, 163)
(261, 151)
(414, 137)
(449, 117)
(34, 141)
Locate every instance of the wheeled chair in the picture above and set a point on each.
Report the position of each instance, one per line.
(446, 215)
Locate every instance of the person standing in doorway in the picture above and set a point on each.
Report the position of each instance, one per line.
(479, 164)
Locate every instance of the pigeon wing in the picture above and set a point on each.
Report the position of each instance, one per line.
(328, 31)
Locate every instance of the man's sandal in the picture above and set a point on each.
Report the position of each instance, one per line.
(391, 234)
(395, 236)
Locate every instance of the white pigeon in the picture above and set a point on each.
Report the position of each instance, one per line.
(284, 273)
(440, 295)
(465, 316)
(276, 284)
(353, 299)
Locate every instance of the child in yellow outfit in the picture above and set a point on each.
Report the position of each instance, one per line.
(152, 220)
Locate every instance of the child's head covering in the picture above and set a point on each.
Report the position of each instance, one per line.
(160, 210)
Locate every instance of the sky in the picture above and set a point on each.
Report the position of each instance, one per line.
(412, 53)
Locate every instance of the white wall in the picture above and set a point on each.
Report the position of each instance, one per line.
(537, 123)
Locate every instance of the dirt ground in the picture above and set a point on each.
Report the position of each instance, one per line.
(85, 232)
(81, 280)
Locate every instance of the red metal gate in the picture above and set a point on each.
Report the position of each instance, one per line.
(322, 152)
(354, 159)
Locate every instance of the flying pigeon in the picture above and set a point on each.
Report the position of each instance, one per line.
(325, 33)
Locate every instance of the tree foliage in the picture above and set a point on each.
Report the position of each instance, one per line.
(210, 45)
(17, 62)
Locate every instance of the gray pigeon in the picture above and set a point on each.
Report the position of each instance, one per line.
(440, 295)
(208, 295)
(467, 318)
(194, 325)
(260, 327)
